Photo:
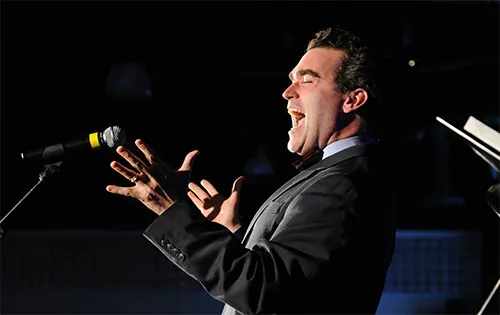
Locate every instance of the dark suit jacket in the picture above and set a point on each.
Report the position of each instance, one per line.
(321, 244)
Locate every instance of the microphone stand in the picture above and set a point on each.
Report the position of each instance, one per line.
(50, 170)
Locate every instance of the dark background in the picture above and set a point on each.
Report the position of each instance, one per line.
(216, 73)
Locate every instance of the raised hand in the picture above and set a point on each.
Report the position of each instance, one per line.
(156, 185)
(216, 207)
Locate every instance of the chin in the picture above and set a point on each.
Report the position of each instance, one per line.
(293, 148)
(304, 150)
(299, 151)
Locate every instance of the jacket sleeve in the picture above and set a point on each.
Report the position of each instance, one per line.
(311, 232)
(240, 233)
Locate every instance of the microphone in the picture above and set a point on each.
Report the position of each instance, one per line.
(112, 137)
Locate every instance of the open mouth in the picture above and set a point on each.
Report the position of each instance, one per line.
(296, 115)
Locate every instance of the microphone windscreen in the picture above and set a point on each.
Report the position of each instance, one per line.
(114, 136)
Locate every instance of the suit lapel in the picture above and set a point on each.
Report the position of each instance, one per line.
(305, 174)
(343, 155)
(292, 182)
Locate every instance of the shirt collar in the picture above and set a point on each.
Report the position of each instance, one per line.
(339, 145)
(331, 149)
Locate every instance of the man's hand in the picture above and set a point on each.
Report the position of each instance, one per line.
(215, 207)
(156, 185)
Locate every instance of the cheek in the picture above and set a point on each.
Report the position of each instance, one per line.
(326, 123)
(322, 109)
(326, 116)
(325, 109)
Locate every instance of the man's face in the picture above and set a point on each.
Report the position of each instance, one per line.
(313, 102)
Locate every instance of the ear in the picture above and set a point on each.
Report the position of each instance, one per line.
(354, 100)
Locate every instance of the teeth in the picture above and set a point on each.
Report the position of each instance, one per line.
(296, 116)
(295, 112)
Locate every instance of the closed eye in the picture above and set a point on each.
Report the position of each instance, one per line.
(305, 76)
(306, 79)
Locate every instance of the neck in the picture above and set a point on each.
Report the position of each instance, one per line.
(356, 127)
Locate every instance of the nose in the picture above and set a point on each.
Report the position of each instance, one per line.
(290, 92)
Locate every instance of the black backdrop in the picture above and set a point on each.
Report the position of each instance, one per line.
(217, 71)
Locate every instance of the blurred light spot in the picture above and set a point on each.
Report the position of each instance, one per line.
(259, 164)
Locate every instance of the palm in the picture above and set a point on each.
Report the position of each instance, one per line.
(219, 209)
(216, 207)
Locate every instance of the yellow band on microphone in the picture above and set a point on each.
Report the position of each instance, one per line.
(94, 140)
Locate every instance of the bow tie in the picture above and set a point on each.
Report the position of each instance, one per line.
(308, 160)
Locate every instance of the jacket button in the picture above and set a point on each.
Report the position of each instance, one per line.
(182, 257)
(170, 247)
(163, 243)
(175, 251)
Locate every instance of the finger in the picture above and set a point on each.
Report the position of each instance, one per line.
(188, 160)
(197, 202)
(200, 192)
(124, 171)
(236, 191)
(124, 191)
(137, 163)
(147, 151)
(209, 187)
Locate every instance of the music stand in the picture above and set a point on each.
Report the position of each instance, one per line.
(493, 159)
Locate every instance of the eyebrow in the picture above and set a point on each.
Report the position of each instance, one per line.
(304, 72)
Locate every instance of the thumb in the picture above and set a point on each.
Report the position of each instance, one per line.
(189, 160)
(236, 191)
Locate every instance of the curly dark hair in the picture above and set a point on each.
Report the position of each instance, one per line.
(360, 67)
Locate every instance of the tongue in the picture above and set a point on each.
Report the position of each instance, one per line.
(297, 121)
